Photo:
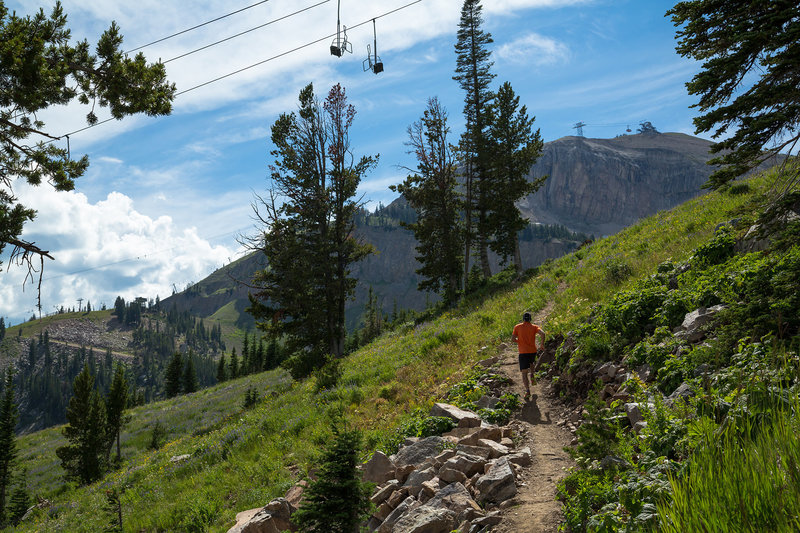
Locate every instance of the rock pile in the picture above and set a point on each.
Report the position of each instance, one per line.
(458, 481)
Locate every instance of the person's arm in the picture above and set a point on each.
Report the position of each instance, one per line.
(541, 332)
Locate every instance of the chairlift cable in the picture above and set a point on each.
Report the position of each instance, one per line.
(245, 31)
(311, 43)
(196, 27)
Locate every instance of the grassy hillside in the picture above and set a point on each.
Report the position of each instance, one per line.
(239, 459)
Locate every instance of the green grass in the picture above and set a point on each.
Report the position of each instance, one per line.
(242, 459)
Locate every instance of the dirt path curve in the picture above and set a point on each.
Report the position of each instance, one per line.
(538, 510)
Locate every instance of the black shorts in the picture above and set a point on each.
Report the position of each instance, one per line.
(526, 360)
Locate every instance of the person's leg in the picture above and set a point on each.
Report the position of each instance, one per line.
(525, 381)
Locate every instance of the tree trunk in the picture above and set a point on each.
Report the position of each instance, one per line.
(517, 255)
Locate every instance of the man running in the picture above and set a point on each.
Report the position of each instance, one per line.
(524, 335)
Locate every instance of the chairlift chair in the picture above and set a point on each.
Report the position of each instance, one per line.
(340, 45)
(373, 61)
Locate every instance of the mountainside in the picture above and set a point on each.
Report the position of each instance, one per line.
(599, 186)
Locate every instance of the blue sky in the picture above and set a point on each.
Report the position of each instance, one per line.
(165, 198)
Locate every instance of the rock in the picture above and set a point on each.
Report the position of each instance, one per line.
(383, 511)
(638, 426)
(508, 443)
(487, 402)
(281, 511)
(645, 372)
(295, 495)
(475, 451)
(522, 457)
(456, 498)
(684, 391)
(416, 453)
(398, 496)
(417, 478)
(428, 489)
(388, 525)
(451, 475)
(254, 521)
(378, 469)
(691, 328)
(487, 432)
(702, 370)
(383, 493)
(458, 432)
(402, 472)
(496, 449)
(488, 362)
(446, 455)
(488, 521)
(426, 519)
(612, 460)
(464, 419)
(468, 464)
(607, 371)
(633, 412)
(498, 484)
(753, 241)
(180, 458)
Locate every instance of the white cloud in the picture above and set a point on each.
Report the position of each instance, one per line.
(533, 49)
(103, 250)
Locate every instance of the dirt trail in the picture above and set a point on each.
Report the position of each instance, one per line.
(537, 508)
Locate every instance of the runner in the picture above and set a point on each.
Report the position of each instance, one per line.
(524, 335)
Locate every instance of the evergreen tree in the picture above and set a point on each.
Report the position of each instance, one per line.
(748, 85)
(189, 376)
(82, 458)
(44, 66)
(20, 501)
(514, 148)
(473, 74)
(8, 442)
(431, 191)
(308, 240)
(221, 370)
(119, 309)
(234, 364)
(116, 403)
(173, 375)
(2, 328)
(338, 501)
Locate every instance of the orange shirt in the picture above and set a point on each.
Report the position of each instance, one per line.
(526, 336)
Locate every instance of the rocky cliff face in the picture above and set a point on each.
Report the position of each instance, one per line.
(600, 186)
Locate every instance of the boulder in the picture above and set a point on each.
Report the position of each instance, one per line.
(485, 432)
(456, 498)
(691, 328)
(486, 363)
(378, 469)
(464, 419)
(426, 520)
(468, 464)
(281, 511)
(633, 412)
(180, 458)
(645, 372)
(684, 391)
(383, 493)
(450, 475)
(428, 489)
(295, 495)
(521, 457)
(398, 496)
(404, 506)
(401, 473)
(498, 484)
(416, 453)
(417, 478)
(475, 451)
(487, 402)
(488, 521)
(495, 448)
(255, 521)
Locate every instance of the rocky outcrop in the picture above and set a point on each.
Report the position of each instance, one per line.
(600, 186)
(433, 485)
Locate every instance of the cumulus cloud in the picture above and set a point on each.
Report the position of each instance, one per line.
(533, 49)
(102, 250)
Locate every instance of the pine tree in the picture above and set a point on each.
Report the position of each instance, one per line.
(338, 501)
(473, 74)
(2, 328)
(748, 84)
(173, 375)
(20, 500)
(82, 458)
(189, 376)
(119, 309)
(514, 148)
(234, 364)
(308, 219)
(431, 191)
(221, 370)
(9, 416)
(116, 403)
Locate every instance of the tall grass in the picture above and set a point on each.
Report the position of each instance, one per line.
(740, 484)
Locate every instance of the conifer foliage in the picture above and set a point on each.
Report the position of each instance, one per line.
(8, 441)
(338, 501)
(431, 191)
(749, 86)
(308, 223)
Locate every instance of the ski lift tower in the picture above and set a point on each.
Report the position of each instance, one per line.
(579, 126)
